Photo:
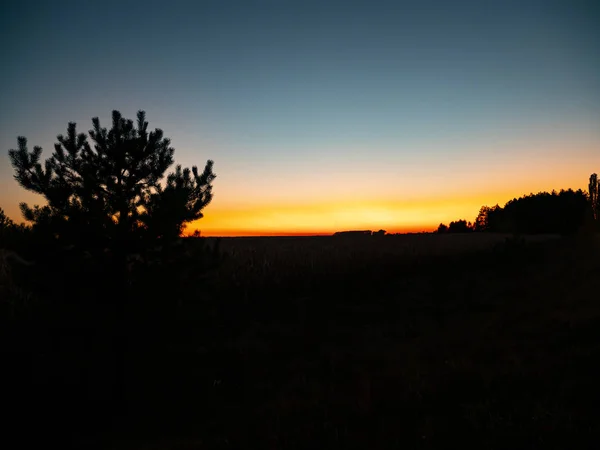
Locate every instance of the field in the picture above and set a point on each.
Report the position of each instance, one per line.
(274, 259)
(416, 341)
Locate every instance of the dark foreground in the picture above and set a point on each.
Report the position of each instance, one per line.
(347, 348)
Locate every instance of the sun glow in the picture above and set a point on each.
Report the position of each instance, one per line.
(327, 218)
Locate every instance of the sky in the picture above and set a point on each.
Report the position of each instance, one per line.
(320, 116)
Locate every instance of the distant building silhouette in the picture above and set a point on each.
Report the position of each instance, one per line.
(353, 233)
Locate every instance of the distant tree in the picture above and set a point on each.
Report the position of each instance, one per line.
(481, 221)
(442, 228)
(594, 191)
(111, 192)
(379, 233)
(562, 212)
(495, 219)
(459, 226)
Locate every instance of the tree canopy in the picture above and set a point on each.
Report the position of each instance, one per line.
(111, 191)
(561, 212)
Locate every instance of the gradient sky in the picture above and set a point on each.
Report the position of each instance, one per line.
(320, 115)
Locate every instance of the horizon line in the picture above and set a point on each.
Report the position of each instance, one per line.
(300, 234)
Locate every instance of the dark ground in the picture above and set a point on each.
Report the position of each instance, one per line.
(318, 343)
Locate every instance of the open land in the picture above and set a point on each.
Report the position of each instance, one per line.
(415, 341)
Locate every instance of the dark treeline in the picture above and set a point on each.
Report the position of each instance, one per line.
(565, 212)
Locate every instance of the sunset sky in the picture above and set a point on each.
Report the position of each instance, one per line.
(320, 115)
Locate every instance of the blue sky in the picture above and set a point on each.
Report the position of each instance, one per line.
(320, 103)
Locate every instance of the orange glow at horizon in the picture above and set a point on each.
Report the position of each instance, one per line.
(395, 199)
(326, 218)
(396, 196)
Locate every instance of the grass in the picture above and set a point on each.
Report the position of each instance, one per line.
(388, 342)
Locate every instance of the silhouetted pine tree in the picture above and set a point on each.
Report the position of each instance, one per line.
(111, 192)
(593, 195)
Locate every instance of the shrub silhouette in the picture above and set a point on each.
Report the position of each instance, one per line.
(111, 193)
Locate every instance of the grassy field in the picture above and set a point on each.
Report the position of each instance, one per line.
(417, 341)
